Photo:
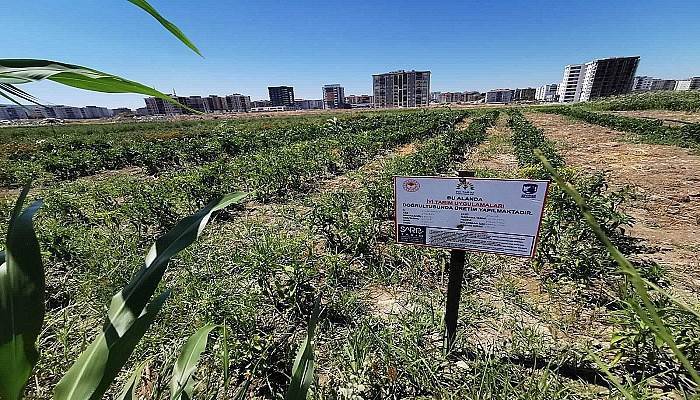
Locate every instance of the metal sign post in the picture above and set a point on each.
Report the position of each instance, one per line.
(454, 286)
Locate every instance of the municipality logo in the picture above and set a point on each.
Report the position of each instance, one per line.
(529, 190)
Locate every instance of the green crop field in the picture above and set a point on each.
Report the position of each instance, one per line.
(572, 323)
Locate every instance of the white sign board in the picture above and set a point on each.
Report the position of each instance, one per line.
(500, 216)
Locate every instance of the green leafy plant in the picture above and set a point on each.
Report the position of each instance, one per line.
(130, 313)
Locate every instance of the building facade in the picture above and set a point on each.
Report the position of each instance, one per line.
(281, 96)
(238, 103)
(547, 93)
(598, 78)
(527, 94)
(571, 84)
(359, 101)
(503, 96)
(642, 83)
(333, 96)
(663, 84)
(608, 77)
(303, 104)
(401, 89)
(694, 83)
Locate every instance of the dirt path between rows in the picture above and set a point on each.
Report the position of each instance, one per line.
(672, 118)
(666, 177)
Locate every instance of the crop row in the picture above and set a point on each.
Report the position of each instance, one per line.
(80, 218)
(71, 156)
(92, 232)
(569, 249)
(350, 221)
(651, 131)
(657, 100)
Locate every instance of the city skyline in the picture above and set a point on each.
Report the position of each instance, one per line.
(460, 44)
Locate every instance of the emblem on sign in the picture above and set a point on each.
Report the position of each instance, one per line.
(411, 185)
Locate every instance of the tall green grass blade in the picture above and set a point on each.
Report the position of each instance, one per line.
(101, 362)
(132, 383)
(22, 288)
(225, 356)
(18, 71)
(127, 319)
(303, 369)
(648, 314)
(611, 377)
(182, 381)
(144, 5)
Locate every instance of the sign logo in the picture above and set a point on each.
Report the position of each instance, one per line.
(411, 185)
(465, 184)
(529, 188)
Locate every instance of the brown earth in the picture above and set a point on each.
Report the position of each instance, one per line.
(666, 178)
(673, 118)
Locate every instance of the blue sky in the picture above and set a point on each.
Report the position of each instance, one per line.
(468, 45)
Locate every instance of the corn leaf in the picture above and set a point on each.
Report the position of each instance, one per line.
(22, 288)
(132, 383)
(144, 5)
(19, 71)
(182, 381)
(303, 369)
(101, 362)
(128, 317)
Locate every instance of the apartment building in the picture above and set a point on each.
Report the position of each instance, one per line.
(359, 101)
(663, 84)
(301, 104)
(333, 96)
(281, 96)
(642, 83)
(547, 93)
(238, 103)
(401, 89)
(598, 78)
(503, 96)
(694, 83)
(570, 87)
(526, 94)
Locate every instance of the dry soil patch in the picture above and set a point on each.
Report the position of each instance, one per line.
(666, 177)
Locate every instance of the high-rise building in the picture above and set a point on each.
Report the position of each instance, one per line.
(214, 103)
(527, 94)
(547, 92)
(281, 95)
(642, 83)
(96, 112)
(571, 84)
(499, 96)
(13, 112)
(663, 84)
(598, 78)
(158, 106)
(401, 89)
(682, 85)
(238, 103)
(608, 77)
(694, 83)
(333, 96)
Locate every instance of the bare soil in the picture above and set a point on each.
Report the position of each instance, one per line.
(666, 178)
(672, 118)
